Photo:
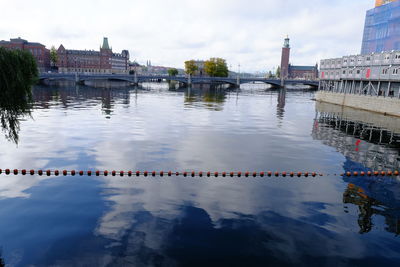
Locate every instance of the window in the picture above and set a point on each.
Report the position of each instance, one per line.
(358, 71)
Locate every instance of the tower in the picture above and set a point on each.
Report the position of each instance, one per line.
(285, 58)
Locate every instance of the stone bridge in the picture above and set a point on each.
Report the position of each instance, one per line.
(136, 79)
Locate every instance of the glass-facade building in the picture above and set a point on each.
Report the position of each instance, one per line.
(382, 28)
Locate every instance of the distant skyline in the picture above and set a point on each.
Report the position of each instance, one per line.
(169, 32)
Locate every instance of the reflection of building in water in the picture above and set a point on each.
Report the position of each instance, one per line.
(379, 147)
(367, 143)
(280, 110)
(67, 96)
(368, 207)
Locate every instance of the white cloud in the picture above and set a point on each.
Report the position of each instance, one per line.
(169, 32)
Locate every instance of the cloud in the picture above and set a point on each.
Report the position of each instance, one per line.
(170, 32)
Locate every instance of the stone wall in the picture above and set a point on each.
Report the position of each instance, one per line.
(385, 105)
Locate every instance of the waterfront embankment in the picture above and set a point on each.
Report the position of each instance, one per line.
(383, 105)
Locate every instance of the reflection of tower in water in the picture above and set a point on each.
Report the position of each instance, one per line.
(280, 109)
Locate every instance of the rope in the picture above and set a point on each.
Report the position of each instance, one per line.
(194, 174)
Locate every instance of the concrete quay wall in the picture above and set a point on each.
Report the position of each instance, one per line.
(384, 105)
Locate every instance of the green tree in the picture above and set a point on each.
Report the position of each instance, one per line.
(216, 67)
(53, 56)
(18, 71)
(278, 72)
(172, 72)
(190, 67)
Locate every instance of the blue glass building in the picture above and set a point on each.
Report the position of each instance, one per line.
(382, 29)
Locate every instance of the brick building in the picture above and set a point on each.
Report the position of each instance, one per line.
(92, 62)
(39, 51)
(289, 71)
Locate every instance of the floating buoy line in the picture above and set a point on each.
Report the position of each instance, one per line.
(193, 173)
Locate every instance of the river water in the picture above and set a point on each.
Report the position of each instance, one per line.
(85, 220)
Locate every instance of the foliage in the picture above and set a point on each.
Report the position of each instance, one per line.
(53, 55)
(216, 67)
(172, 72)
(190, 67)
(18, 71)
(278, 72)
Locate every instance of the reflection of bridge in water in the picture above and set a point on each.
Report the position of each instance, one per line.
(136, 79)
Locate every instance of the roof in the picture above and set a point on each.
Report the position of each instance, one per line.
(105, 43)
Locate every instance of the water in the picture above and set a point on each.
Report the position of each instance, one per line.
(177, 221)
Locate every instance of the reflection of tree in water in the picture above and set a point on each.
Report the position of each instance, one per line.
(367, 208)
(211, 96)
(10, 114)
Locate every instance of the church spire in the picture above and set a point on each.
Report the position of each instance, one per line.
(105, 43)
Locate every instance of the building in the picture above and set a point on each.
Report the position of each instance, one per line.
(92, 62)
(39, 51)
(382, 27)
(289, 71)
(376, 74)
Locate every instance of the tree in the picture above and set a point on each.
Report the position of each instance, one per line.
(190, 67)
(216, 67)
(172, 72)
(53, 56)
(278, 72)
(18, 71)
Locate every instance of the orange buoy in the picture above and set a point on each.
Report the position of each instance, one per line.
(129, 173)
(56, 173)
(105, 173)
(89, 173)
(383, 173)
(247, 174)
(161, 173)
(355, 173)
(145, 173)
(396, 173)
(80, 173)
(239, 174)
(208, 174)
(153, 173)
(40, 172)
(177, 173)
(200, 174)
(376, 173)
(113, 173)
(97, 173)
(138, 173)
(362, 173)
(216, 174)
(269, 174)
(32, 172)
(348, 174)
(121, 173)
(284, 174)
(23, 172)
(224, 174)
(193, 174)
(299, 174)
(314, 174)
(306, 174)
(369, 173)
(389, 173)
(7, 171)
(262, 174)
(15, 172)
(169, 173)
(254, 174)
(291, 174)
(184, 174)
(232, 174)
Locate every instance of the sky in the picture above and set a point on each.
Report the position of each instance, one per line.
(168, 32)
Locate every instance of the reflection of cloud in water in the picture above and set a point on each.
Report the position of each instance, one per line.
(167, 219)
